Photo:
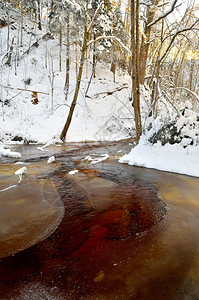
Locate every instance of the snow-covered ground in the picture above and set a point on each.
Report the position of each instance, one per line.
(171, 158)
(155, 151)
(100, 116)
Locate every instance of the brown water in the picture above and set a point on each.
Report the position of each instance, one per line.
(113, 236)
(29, 211)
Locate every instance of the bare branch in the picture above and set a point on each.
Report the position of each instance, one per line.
(164, 14)
(174, 36)
(23, 90)
(168, 99)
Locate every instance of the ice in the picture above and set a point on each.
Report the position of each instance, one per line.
(21, 171)
(9, 153)
(99, 159)
(73, 172)
(51, 160)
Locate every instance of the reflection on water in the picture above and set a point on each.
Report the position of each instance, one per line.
(116, 239)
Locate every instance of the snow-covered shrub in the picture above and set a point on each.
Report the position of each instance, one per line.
(184, 129)
(166, 134)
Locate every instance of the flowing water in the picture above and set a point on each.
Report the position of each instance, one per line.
(108, 231)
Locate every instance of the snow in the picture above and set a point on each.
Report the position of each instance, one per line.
(170, 158)
(42, 149)
(73, 172)
(9, 152)
(21, 171)
(99, 159)
(181, 157)
(88, 157)
(51, 160)
(43, 122)
(96, 160)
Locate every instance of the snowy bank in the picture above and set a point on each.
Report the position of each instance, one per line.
(170, 158)
(8, 153)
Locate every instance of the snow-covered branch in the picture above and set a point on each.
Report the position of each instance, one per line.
(165, 14)
(110, 37)
(117, 89)
(186, 89)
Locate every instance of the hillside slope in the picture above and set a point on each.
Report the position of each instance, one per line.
(34, 67)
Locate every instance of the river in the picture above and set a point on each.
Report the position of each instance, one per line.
(104, 231)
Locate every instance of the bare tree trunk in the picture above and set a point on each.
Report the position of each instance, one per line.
(138, 115)
(155, 91)
(8, 37)
(39, 15)
(67, 58)
(145, 39)
(173, 64)
(76, 56)
(1, 98)
(72, 108)
(88, 86)
(21, 8)
(196, 78)
(178, 74)
(191, 74)
(94, 57)
(155, 87)
(10, 53)
(46, 47)
(114, 62)
(52, 78)
(183, 74)
(17, 48)
(60, 47)
(135, 67)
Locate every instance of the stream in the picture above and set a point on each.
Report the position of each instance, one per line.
(86, 227)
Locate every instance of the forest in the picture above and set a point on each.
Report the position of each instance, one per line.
(100, 70)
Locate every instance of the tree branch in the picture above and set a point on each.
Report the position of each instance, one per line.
(164, 14)
(110, 37)
(186, 89)
(173, 38)
(109, 93)
(23, 90)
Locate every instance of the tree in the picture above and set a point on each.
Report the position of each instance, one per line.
(135, 66)
(159, 35)
(67, 56)
(83, 52)
(146, 35)
(87, 29)
(169, 38)
(101, 26)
